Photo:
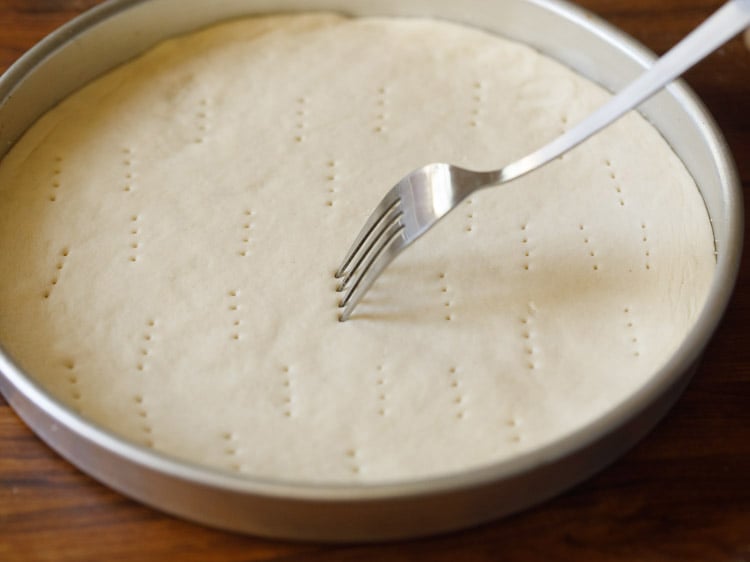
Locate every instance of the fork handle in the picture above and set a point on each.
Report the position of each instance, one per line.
(720, 27)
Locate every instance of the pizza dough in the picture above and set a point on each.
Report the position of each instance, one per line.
(169, 236)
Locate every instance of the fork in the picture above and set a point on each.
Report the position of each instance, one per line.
(427, 194)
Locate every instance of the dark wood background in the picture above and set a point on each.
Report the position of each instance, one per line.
(682, 494)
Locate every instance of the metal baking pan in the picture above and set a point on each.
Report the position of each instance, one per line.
(118, 30)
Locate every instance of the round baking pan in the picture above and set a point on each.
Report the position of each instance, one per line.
(118, 30)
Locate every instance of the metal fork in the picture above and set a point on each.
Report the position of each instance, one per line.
(426, 195)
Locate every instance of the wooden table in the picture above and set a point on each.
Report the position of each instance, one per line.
(682, 494)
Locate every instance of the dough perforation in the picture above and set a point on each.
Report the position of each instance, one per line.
(128, 173)
(529, 337)
(447, 295)
(234, 313)
(73, 382)
(353, 460)
(381, 117)
(332, 183)
(134, 244)
(247, 226)
(144, 423)
(56, 181)
(479, 95)
(301, 122)
(615, 181)
(631, 331)
(287, 384)
(202, 120)
(470, 215)
(458, 394)
(381, 388)
(513, 425)
(646, 246)
(59, 266)
(590, 247)
(146, 349)
(231, 451)
(526, 247)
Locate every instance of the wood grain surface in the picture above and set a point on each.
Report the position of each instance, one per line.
(681, 494)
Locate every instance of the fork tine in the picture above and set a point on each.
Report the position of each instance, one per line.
(394, 214)
(386, 204)
(387, 250)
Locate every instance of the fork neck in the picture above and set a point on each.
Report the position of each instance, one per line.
(467, 182)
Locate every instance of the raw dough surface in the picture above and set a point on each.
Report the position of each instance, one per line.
(169, 235)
